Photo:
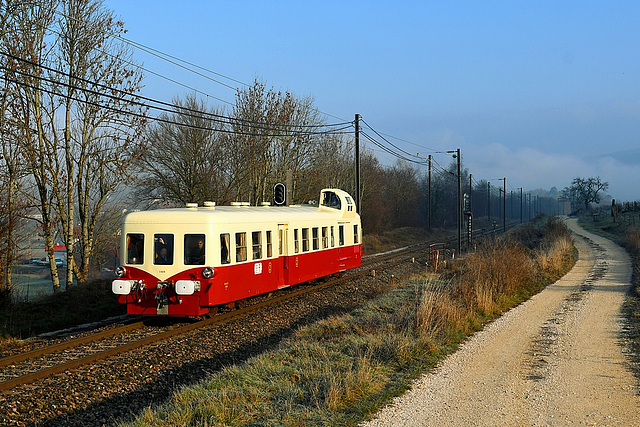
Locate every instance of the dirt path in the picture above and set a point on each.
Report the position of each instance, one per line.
(554, 360)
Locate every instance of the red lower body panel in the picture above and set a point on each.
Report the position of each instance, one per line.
(235, 282)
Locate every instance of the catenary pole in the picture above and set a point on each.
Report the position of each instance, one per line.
(459, 204)
(357, 156)
(504, 205)
(429, 193)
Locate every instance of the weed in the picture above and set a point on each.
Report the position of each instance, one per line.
(340, 369)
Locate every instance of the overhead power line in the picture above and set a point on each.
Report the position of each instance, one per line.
(285, 128)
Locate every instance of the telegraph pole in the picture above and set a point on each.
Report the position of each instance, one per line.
(357, 155)
(468, 211)
(504, 205)
(459, 204)
(520, 205)
(489, 201)
(470, 192)
(429, 193)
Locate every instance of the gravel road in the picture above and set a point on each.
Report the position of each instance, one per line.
(554, 360)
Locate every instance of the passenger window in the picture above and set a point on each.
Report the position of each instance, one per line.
(341, 235)
(305, 240)
(333, 240)
(163, 248)
(269, 253)
(135, 248)
(325, 238)
(256, 240)
(241, 247)
(296, 242)
(314, 235)
(355, 233)
(224, 248)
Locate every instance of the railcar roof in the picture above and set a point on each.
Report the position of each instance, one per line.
(233, 214)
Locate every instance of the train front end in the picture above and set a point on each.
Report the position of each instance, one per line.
(163, 270)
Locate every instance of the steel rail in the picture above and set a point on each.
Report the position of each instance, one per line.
(68, 344)
(218, 319)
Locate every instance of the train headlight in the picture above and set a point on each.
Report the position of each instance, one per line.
(207, 272)
(120, 271)
(187, 287)
(121, 287)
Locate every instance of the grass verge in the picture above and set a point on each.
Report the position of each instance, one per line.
(77, 305)
(340, 370)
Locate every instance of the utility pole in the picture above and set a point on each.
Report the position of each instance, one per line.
(459, 204)
(489, 202)
(469, 192)
(429, 193)
(504, 204)
(520, 205)
(469, 214)
(357, 155)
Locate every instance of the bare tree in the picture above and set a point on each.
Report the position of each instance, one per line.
(331, 165)
(272, 132)
(103, 120)
(77, 114)
(402, 196)
(10, 168)
(26, 51)
(186, 157)
(584, 191)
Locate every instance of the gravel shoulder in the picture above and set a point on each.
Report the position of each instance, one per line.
(554, 360)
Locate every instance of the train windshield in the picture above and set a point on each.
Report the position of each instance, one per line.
(135, 248)
(163, 248)
(194, 249)
(331, 200)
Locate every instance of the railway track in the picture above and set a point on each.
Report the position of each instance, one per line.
(29, 367)
(69, 355)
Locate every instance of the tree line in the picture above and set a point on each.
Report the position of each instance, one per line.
(79, 145)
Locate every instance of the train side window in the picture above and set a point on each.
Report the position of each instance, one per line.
(224, 248)
(135, 248)
(241, 247)
(256, 242)
(316, 241)
(296, 241)
(355, 233)
(305, 240)
(325, 238)
(341, 235)
(333, 239)
(194, 249)
(163, 248)
(269, 250)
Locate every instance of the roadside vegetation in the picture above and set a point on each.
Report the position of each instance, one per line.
(80, 304)
(340, 370)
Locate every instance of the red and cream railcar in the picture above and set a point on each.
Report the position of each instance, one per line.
(183, 262)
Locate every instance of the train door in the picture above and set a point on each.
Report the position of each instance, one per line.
(343, 254)
(283, 252)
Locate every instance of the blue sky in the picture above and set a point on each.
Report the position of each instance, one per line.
(540, 92)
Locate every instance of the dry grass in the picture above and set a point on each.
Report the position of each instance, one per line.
(343, 368)
(632, 239)
(437, 311)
